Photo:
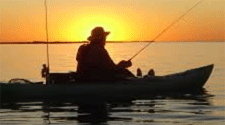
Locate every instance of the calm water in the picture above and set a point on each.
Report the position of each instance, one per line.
(25, 61)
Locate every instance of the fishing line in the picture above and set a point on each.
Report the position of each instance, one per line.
(167, 28)
(46, 28)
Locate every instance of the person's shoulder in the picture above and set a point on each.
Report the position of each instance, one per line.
(83, 46)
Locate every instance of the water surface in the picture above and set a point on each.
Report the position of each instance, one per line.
(25, 61)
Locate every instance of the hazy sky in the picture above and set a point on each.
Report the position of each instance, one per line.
(130, 20)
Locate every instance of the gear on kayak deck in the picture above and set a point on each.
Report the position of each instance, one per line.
(22, 81)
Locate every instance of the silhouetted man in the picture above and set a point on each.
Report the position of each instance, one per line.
(94, 62)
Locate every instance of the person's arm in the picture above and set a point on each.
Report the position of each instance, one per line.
(109, 62)
(124, 64)
(106, 60)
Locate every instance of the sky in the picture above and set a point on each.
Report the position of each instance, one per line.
(127, 20)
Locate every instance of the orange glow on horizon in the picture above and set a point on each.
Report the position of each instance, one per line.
(72, 20)
(82, 29)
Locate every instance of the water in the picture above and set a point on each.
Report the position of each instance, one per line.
(25, 61)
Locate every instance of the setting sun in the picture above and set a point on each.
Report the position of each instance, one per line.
(79, 26)
(142, 20)
(87, 23)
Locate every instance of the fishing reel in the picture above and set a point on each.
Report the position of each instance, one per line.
(44, 71)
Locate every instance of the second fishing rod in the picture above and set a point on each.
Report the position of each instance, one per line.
(167, 28)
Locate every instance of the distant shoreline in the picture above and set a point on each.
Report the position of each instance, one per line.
(58, 42)
(41, 42)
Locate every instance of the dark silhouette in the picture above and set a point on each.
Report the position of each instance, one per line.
(44, 71)
(94, 62)
(139, 72)
(151, 72)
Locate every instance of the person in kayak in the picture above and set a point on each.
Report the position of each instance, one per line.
(94, 62)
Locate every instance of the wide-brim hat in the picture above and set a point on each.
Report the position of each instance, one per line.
(98, 33)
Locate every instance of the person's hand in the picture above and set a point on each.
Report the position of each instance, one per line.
(124, 64)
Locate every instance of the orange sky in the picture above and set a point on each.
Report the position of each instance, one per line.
(129, 20)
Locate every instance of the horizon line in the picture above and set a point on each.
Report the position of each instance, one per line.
(71, 42)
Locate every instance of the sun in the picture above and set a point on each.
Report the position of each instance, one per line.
(81, 29)
(77, 25)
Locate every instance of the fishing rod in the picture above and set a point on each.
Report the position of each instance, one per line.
(46, 69)
(46, 28)
(167, 28)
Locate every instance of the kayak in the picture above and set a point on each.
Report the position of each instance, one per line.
(193, 79)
